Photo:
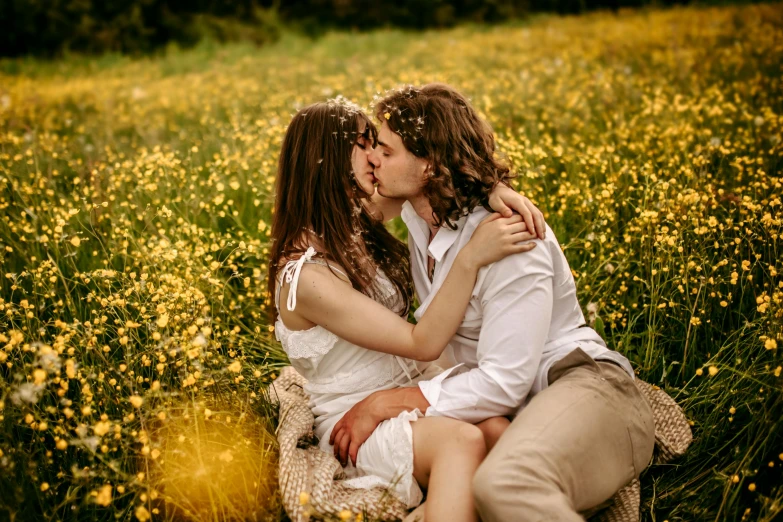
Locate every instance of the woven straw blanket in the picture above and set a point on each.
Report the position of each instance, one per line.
(311, 482)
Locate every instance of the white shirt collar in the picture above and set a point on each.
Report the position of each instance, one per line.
(420, 232)
(444, 239)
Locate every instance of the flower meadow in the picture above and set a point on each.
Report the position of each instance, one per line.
(136, 196)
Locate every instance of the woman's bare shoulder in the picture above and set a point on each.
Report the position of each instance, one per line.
(326, 268)
(318, 264)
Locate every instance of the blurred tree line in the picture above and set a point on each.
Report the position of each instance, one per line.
(50, 27)
(313, 15)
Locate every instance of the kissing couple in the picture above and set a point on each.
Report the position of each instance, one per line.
(534, 418)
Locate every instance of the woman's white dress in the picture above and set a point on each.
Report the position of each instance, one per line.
(340, 374)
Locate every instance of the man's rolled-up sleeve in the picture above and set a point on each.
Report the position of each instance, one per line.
(516, 300)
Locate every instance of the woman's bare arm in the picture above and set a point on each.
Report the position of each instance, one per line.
(327, 300)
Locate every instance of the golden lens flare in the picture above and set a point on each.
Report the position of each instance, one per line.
(220, 466)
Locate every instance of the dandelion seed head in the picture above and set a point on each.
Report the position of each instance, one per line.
(27, 393)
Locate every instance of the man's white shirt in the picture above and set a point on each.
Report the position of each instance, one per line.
(522, 318)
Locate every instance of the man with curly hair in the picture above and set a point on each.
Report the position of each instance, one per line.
(581, 430)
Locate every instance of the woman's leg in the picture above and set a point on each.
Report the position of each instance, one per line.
(492, 429)
(446, 455)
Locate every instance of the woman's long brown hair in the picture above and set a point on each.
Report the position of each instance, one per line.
(316, 194)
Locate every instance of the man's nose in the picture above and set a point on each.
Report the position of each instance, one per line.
(371, 158)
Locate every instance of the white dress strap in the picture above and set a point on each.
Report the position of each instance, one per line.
(290, 275)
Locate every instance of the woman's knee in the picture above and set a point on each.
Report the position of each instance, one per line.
(467, 437)
(435, 435)
(440, 439)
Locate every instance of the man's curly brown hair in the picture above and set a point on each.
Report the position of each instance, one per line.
(438, 124)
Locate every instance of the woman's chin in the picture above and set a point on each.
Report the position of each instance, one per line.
(366, 187)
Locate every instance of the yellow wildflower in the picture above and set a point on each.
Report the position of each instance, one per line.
(101, 428)
(103, 496)
(163, 320)
(39, 376)
(227, 456)
(142, 514)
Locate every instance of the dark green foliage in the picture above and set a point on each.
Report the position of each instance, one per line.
(52, 27)
(47, 27)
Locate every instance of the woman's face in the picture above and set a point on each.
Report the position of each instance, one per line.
(362, 168)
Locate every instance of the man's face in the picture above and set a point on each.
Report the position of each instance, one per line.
(399, 173)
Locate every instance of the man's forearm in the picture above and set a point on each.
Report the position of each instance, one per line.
(390, 403)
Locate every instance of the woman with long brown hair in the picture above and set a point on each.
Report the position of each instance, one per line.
(346, 287)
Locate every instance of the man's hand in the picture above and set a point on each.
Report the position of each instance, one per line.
(359, 422)
(354, 429)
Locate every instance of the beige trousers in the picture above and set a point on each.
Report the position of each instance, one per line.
(571, 448)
